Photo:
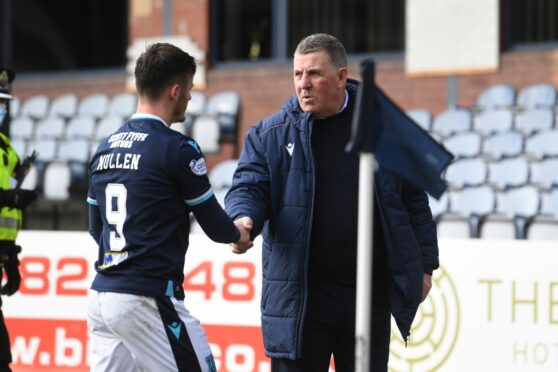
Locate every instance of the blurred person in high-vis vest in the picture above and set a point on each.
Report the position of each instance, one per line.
(12, 201)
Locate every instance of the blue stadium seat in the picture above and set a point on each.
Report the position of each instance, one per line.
(80, 127)
(221, 175)
(22, 128)
(35, 107)
(501, 145)
(452, 121)
(422, 117)
(51, 127)
(225, 106)
(537, 95)
(123, 105)
(542, 144)
(64, 106)
(497, 96)
(464, 145)
(514, 207)
(493, 121)
(534, 120)
(506, 173)
(95, 105)
(473, 203)
(466, 172)
(544, 174)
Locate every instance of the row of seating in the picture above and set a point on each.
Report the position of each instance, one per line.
(485, 123)
(479, 212)
(503, 174)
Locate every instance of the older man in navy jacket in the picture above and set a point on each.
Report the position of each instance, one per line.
(295, 182)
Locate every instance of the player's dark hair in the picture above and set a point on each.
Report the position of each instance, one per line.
(160, 66)
(324, 43)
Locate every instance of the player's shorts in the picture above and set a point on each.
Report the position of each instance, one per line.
(137, 333)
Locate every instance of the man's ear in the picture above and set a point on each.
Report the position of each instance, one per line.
(174, 91)
(342, 73)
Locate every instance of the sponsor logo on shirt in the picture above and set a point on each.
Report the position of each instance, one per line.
(198, 167)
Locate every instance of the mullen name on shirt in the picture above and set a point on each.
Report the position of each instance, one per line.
(119, 161)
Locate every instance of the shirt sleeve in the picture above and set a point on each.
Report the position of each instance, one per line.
(192, 174)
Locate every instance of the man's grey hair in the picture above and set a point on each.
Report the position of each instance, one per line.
(324, 43)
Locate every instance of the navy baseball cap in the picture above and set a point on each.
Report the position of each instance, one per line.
(6, 78)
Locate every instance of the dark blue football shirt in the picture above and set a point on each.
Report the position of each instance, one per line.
(144, 178)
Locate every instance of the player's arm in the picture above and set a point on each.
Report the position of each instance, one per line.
(95, 221)
(215, 223)
(198, 196)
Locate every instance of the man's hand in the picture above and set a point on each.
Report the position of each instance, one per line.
(14, 279)
(10, 264)
(17, 198)
(426, 285)
(244, 225)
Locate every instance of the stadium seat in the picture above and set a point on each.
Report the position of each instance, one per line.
(422, 117)
(22, 128)
(452, 121)
(466, 172)
(222, 173)
(514, 207)
(438, 206)
(80, 127)
(179, 127)
(19, 146)
(501, 145)
(537, 95)
(453, 226)
(206, 131)
(225, 106)
(220, 196)
(544, 174)
(94, 105)
(76, 153)
(45, 147)
(35, 107)
(542, 144)
(473, 203)
(464, 145)
(107, 126)
(543, 228)
(56, 182)
(196, 107)
(123, 105)
(506, 173)
(497, 96)
(534, 120)
(493, 121)
(550, 203)
(51, 127)
(64, 106)
(31, 181)
(15, 107)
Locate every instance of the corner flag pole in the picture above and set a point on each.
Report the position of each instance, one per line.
(362, 141)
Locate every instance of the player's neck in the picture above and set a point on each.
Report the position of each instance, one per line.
(154, 109)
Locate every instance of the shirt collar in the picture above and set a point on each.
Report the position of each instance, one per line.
(148, 116)
(346, 102)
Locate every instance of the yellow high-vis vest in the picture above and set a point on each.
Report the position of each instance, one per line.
(10, 218)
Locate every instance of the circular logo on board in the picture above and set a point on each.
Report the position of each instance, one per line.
(434, 331)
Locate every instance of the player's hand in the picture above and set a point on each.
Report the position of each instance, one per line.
(426, 285)
(244, 225)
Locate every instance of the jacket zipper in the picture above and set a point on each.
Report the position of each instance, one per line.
(307, 248)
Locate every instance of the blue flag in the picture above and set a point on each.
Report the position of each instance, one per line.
(398, 143)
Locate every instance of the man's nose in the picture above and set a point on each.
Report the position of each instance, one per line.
(305, 82)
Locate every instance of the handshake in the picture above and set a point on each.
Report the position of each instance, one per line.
(244, 225)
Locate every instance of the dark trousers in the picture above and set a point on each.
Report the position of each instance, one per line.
(5, 353)
(329, 328)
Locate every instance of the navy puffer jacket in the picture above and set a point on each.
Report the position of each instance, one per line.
(274, 185)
